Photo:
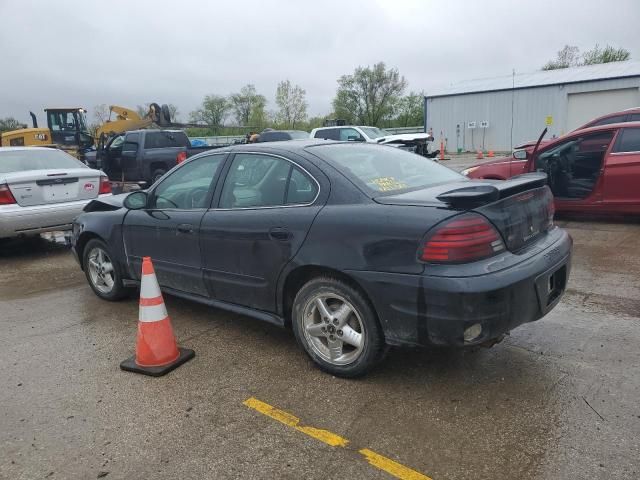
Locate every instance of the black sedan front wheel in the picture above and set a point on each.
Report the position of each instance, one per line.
(337, 327)
(102, 273)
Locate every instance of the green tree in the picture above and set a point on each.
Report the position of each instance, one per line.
(101, 113)
(213, 112)
(9, 123)
(245, 103)
(259, 117)
(570, 56)
(410, 110)
(369, 95)
(142, 110)
(605, 55)
(313, 122)
(292, 107)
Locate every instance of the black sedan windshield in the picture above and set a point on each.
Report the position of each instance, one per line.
(376, 168)
(37, 159)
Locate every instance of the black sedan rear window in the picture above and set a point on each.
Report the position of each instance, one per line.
(41, 159)
(377, 168)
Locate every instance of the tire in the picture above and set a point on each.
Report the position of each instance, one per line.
(315, 331)
(156, 175)
(165, 115)
(97, 259)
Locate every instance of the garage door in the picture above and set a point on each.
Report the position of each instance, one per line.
(587, 106)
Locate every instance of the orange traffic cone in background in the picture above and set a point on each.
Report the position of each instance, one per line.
(479, 156)
(156, 350)
(490, 154)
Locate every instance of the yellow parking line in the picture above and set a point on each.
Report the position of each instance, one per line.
(379, 461)
(394, 468)
(293, 421)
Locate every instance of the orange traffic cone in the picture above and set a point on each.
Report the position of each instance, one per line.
(479, 156)
(490, 154)
(156, 350)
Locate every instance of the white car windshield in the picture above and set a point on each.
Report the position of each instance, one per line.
(375, 132)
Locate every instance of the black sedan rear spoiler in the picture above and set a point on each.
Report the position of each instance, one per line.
(484, 193)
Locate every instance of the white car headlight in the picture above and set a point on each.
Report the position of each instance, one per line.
(469, 170)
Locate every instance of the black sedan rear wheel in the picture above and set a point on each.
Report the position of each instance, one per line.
(337, 327)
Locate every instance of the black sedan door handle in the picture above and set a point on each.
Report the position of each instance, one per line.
(280, 234)
(185, 228)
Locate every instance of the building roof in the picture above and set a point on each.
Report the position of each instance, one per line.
(541, 78)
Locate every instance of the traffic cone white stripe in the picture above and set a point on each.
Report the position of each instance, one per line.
(150, 302)
(154, 313)
(149, 287)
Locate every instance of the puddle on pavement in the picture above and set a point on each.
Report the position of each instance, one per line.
(24, 262)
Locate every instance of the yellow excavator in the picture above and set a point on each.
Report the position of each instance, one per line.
(68, 130)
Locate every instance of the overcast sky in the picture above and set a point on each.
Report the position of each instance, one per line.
(83, 53)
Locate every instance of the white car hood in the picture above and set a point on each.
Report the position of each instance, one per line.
(405, 137)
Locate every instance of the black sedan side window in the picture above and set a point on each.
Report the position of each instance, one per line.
(302, 189)
(256, 180)
(187, 188)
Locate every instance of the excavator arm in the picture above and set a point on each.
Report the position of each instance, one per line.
(127, 119)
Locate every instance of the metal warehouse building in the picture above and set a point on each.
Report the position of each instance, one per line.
(513, 109)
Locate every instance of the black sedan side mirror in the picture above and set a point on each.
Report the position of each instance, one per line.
(136, 200)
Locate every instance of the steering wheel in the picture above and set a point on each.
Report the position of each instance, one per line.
(550, 169)
(168, 200)
(195, 198)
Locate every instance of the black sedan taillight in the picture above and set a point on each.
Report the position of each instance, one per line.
(463, 239)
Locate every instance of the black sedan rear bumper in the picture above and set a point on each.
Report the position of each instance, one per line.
(471, 304)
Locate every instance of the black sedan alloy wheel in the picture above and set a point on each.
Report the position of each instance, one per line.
(337, 327)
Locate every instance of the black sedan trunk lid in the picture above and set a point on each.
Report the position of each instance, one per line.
(521, 208)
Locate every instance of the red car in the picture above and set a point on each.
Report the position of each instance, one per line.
(628, 115)
(595, 169)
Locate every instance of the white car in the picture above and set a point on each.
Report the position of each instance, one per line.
(44, 189)
(414, 142)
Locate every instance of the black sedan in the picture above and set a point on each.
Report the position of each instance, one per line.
(353, 246)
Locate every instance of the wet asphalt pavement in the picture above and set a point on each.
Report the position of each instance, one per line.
(559, 398)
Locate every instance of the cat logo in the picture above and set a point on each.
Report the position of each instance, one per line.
(40, 136)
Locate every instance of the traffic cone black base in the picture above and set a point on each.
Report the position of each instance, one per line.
(130, 364)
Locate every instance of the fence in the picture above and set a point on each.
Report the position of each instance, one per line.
(398, 130)
(222, 140)
(231, 139)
